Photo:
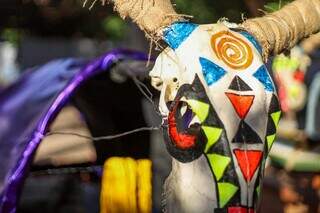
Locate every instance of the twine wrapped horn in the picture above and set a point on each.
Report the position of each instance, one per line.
(311, 44)
(282, 29)
(275, 32)
(149, 15)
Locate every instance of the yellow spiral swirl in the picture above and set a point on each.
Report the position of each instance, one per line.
(233, 51)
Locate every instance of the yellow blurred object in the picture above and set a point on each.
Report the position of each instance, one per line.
(126, 186)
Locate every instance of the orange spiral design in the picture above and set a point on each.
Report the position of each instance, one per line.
(233, 51)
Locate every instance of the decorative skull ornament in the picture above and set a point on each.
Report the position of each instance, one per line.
(220, 114)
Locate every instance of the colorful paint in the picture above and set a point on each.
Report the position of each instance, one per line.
(220, 116)
(232, 50)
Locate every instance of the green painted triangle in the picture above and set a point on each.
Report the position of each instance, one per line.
(226, 192)
(199, 108)
(270, 140)
(213, 134)
(218, 164)
(276, 117)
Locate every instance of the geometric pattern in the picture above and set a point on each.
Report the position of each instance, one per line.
(274, 104)
(239, 85)
(270, 140)
(226, 192)
(271, 128)
(178, 32)
(211, 71)
(241, 103)
(276, 117)
(213, 134)
(248, 161)
(201, 109)
(263, 76)
(217, 152)
(218, 164)
(219, 157)
(273, 121)
(246, 134)
(237, 171)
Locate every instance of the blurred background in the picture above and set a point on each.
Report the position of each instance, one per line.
(35, 32)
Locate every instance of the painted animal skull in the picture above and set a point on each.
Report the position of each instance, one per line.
(220, 116)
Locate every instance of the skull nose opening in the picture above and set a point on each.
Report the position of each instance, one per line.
(156, 82)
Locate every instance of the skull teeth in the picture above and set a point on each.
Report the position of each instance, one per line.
(183, 109)
(194, 120)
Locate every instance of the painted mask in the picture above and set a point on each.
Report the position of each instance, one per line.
(220, 113)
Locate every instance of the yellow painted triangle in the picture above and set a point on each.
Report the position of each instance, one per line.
(270, 140)
(218, 164)
(226, 192)
(199, 108)
(213, 134)
(276, 117)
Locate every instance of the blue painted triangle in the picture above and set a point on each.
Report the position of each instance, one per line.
(212, 72)
(263, 76)
(252, 40)
(177, 33)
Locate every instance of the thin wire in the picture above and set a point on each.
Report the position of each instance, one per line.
(141, 86)
(84, 3)
(66, 171)
(150, 53)
(146, 93)
(93, 3)
(108, 137)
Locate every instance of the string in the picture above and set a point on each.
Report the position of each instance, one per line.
(92, 4)
(143, 89)
(145, 92)
(142, 86)
(108, 137)
(66, 171)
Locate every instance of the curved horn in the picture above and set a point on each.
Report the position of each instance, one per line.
(150, 15)
(281, 30)
(311, 44)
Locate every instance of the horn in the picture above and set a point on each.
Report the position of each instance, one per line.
(150, 15)
(281, 30)
(311, 44)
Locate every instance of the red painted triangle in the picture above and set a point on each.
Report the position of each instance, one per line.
(241, 103)
(239, 209)
(248, 161)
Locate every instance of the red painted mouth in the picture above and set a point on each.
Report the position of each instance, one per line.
(186, 138)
